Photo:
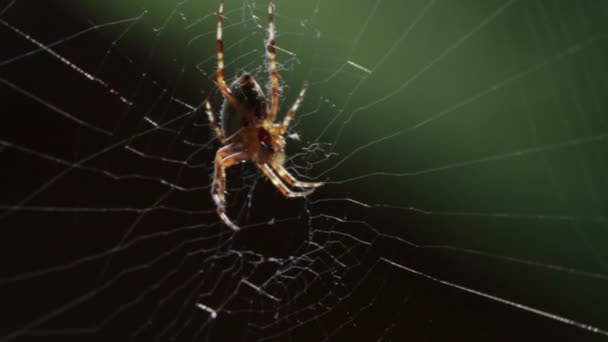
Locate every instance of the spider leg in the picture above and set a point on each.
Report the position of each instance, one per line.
(221, 82)
(225, 157)
(219, 176)
(274, 72)
(213, 123)
(276, 181)
(292, 111)
(289, 179)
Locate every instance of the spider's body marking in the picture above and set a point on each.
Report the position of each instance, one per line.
(248, 130)
(248, 93)
(248, 122)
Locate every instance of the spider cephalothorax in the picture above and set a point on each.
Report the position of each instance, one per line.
(248, 128)
(250, 121)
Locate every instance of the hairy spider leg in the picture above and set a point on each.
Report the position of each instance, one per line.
(292, 111)
(219, 177)
(221, 81)
(276, 181)
(226, 157)
(291, 180)
(221, 71)
(274, 72)
(213, 123)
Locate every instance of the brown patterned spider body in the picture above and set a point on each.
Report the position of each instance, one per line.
(248, 129)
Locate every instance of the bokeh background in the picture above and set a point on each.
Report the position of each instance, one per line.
(463, 142)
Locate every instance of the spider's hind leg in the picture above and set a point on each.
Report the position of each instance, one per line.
(214, 125)
(221, 79)
(294, 108)
(271, 48)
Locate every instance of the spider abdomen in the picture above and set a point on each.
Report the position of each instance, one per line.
(250, 97)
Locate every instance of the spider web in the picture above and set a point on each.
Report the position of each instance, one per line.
(462, 146)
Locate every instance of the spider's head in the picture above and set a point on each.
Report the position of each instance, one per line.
(272, 144)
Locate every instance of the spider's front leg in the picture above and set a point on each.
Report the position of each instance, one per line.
(276, 181)
(291, 180)
(225, 157)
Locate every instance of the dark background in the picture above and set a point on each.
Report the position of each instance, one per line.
(467, 161)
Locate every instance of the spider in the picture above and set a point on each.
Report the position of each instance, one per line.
(248, 130)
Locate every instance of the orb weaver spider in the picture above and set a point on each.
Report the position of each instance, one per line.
(248, 130)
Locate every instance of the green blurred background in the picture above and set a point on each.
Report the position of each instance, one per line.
(477, 129)
(500, 108)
